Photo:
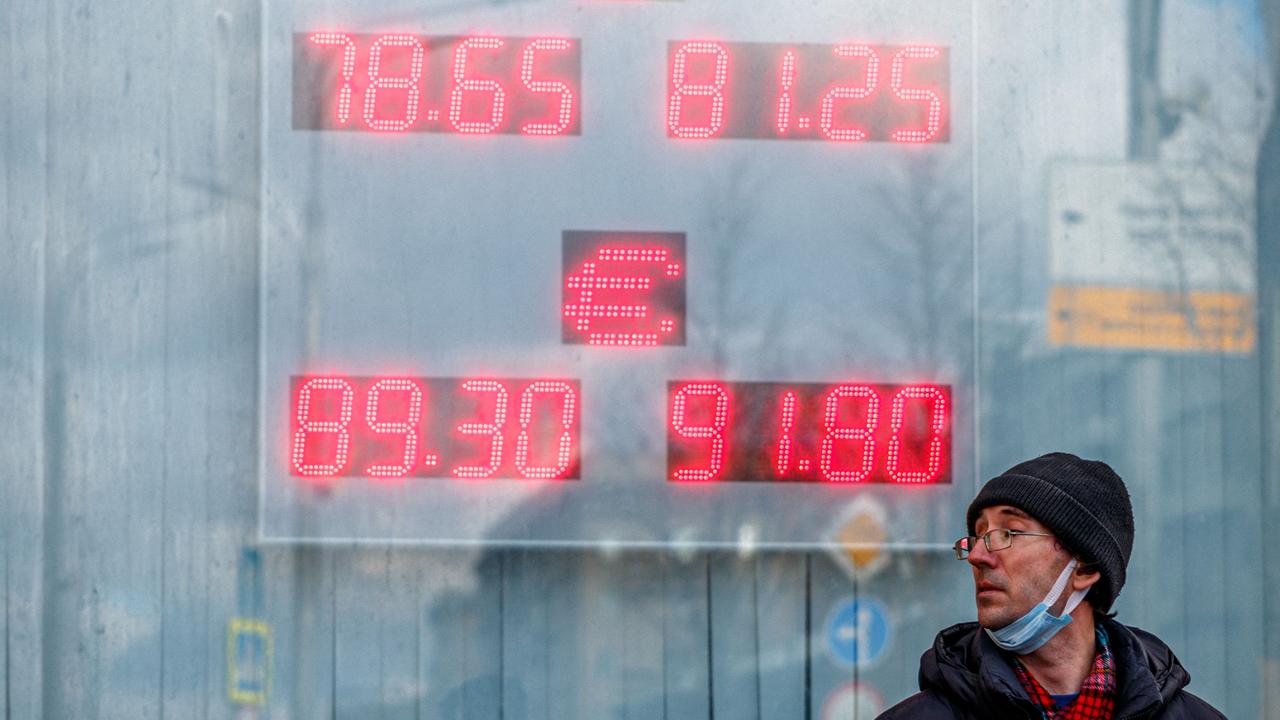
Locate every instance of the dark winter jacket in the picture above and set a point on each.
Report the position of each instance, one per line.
(966, 676)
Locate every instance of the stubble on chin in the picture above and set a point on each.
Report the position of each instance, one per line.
(993, 615)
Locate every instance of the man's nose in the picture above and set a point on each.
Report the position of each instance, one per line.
(980, 555)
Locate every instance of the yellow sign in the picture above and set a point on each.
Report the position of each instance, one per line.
(248, 661)
(859, 537)
(1151, 319)
(862, 539)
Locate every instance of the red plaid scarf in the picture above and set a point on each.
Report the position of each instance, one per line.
(1097, 698)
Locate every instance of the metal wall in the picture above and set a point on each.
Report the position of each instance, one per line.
(128, 355)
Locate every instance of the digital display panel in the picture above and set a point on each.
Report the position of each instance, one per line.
(848, 92)
(623, 336)
(399, 82)
(388, 428)
(624, 289)
(808, 432)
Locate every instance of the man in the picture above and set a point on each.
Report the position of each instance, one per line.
(1048, 543)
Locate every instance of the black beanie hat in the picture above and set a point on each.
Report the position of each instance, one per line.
(1084, 503)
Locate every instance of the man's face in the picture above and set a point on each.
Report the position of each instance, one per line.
(1009, 582)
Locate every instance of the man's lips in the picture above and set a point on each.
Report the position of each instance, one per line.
(988, 587)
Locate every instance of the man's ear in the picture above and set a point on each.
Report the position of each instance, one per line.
(1085, 575)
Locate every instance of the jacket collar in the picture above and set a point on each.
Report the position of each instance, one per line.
(1148, 673)
(972, 671)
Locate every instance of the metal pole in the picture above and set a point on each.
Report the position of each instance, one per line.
(1145, 369)
(1144, 87)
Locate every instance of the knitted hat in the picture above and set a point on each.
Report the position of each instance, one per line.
(1084, 503)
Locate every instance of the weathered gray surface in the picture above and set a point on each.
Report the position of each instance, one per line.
(1269, 337)
(128, 354)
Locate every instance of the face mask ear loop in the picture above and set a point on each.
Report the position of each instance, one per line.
(1074, 601)
(1076, 597)
(1060, 584)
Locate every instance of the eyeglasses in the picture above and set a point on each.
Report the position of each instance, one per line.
(995, 540)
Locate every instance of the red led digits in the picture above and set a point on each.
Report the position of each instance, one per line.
(532, 87)
(786, 435)
(565, 110)
(564, 444)
(826, 120)
(916, 95)
(850, 92)
(847, 434)
(463, 85)
(936, 400)
(468, 416)
(306, 427)
(681, 88)
(492, 429)
(486, 85)
(786, 79)
(410, 84)
(408, 427)
(715, 432)
(348, 45)
(835, 431)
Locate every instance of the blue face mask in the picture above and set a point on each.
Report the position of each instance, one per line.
(1029, 632)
